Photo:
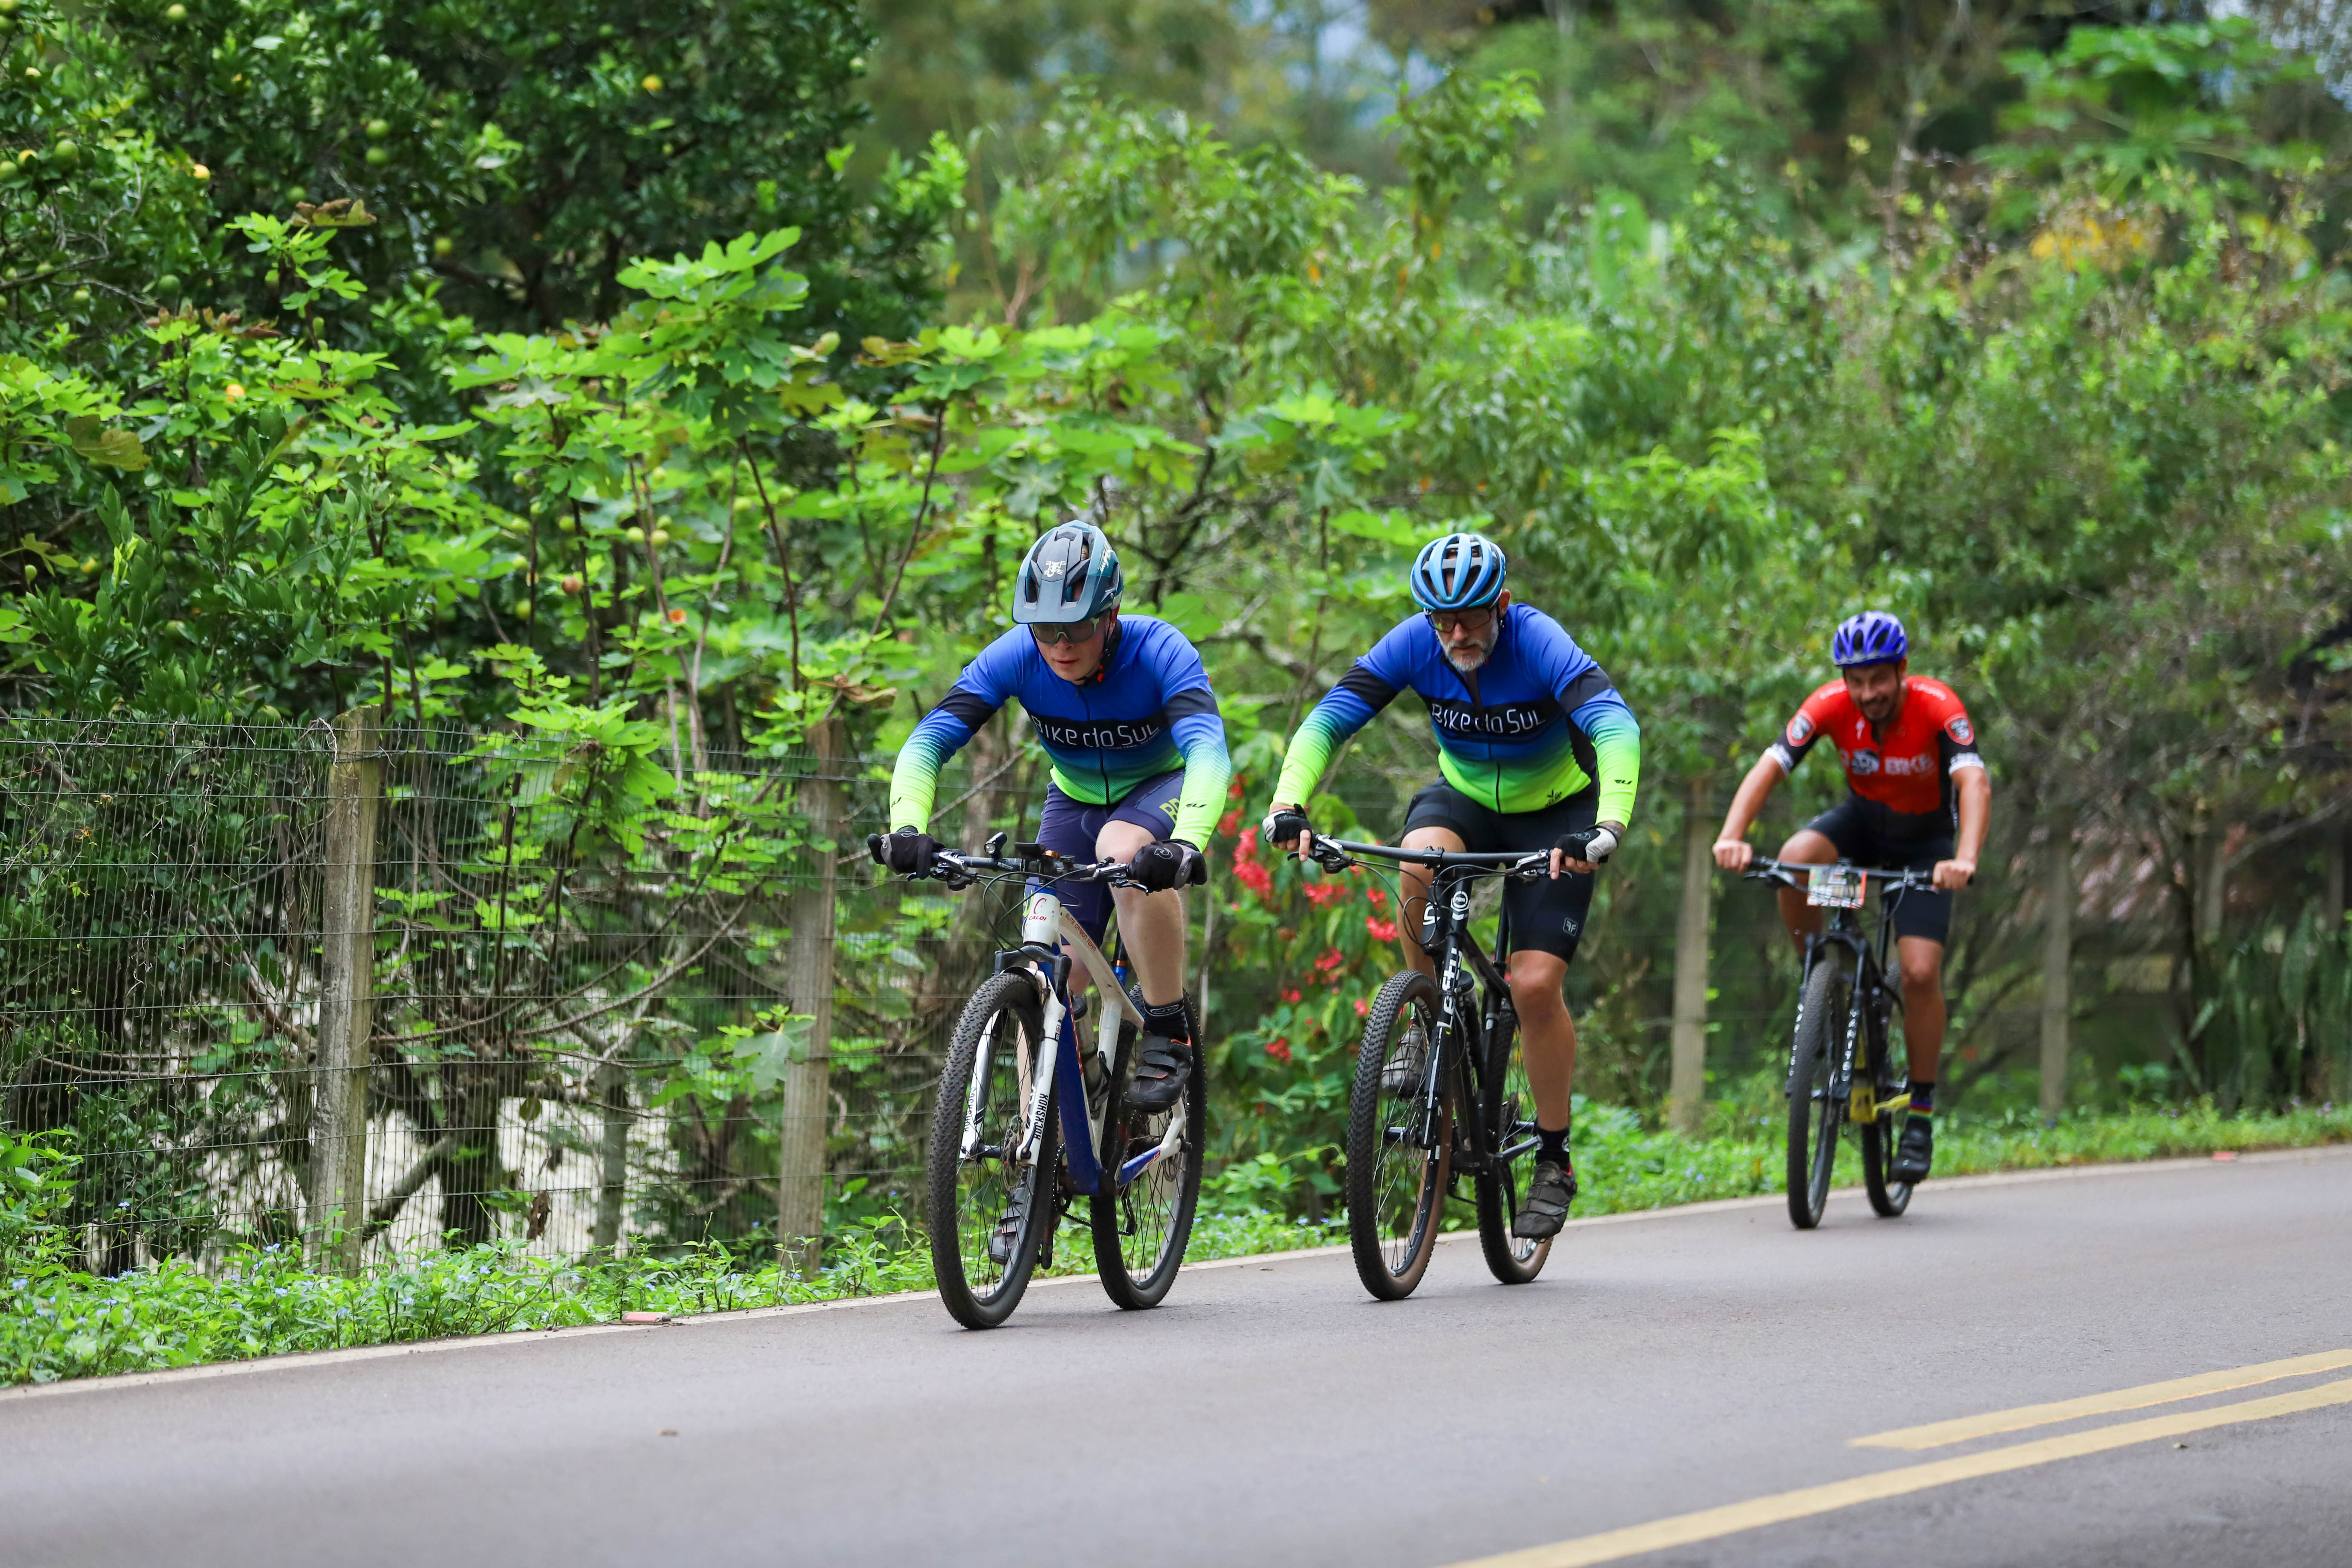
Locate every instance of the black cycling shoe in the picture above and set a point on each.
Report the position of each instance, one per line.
(1400, 1074)
(1161, 1067)
(1008, 1232)
(1546, 1209)
(1916, 1152)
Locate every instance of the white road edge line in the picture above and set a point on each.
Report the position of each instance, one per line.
(302, 1359)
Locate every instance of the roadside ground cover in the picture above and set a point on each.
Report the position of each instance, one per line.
(60, 1322)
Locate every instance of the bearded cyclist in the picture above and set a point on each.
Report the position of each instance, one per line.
(1537, 751)
(1137, 748)
(1912, 771)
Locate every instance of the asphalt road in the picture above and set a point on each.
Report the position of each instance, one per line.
(1271, 1413)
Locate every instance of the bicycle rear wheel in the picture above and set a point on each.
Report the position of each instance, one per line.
(1141, 1230)
(1509, 1114)
(1813, 1116)
(974, 1190)
(1879, 1137)
(1396, 1176)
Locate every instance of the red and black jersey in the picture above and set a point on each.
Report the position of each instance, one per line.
(1906, 771)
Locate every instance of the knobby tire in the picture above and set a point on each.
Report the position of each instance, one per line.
(1140, 1234)
(968, 1198)
(1512, 1260)
(1812, 1116)
(1396, 1191)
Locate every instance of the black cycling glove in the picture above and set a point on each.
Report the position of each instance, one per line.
(1282, 827)
(1591, 845)
(909, 852)
(1170, 863)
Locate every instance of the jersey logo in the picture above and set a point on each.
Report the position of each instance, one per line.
(1801, 730)
(1501, 721)
(1957, 728)
(1900, 767)
(1861, 762)
(1099, 735)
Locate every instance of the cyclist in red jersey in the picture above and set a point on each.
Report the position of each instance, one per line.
(1913, 773)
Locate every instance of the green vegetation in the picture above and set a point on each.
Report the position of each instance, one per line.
(565, 371)
(63, 1323)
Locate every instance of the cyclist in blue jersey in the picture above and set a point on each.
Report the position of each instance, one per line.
(1537, 751)
(1123, 708)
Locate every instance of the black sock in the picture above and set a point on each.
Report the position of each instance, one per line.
(1169, 1019)
(1923, 1096)
(1552, 1146)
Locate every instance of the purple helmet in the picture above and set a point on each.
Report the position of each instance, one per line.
(1873, 636)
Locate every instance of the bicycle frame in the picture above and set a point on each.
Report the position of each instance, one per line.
(1051, 940)
(1461, 1035)
(1871, 1000)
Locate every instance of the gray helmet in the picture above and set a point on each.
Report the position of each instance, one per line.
(1071, 574)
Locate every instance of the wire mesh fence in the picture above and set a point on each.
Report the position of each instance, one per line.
(572, 1033)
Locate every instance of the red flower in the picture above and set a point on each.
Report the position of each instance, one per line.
(1328, 966)
(1228, 823)
(1291, 995)
(1379, 897)
(1255, 877)
(1322, 893)
(1247, 848)
(1362, 1006)
(1234, 792)
(1279, 1049)
(1383, 930)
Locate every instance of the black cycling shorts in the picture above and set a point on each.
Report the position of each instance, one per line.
(1862, 838)
(1546, 915)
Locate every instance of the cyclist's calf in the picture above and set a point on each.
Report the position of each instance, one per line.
(1151, 925)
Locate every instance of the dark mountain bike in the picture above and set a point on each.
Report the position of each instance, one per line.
(1842, 1063)
(1026, 1125)
(1439, 1091)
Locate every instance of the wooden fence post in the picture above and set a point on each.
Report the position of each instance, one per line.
(1686, 1092)
(800, 1164)
(339, 1104)
(2057, 964)
(612, 1193)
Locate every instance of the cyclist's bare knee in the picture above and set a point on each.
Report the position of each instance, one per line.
(1922, 961)
(1535, 978)
(1120, 841)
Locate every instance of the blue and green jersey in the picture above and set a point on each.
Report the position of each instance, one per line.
(1148, 711)
(1537, 723)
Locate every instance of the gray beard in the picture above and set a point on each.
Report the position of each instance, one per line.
(1468, 658)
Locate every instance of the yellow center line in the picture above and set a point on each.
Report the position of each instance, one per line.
(1707, 1524)
(1935, 1435)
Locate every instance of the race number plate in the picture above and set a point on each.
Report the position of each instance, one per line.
(1835, 888)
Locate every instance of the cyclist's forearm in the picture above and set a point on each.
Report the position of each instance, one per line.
(1616, 738)
(1311, 750)
(1749, 799)
(1208, 773)
(1976, 812)
(915, 776)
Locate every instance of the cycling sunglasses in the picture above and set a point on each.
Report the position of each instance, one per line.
(1069, 631)
(1469, 620)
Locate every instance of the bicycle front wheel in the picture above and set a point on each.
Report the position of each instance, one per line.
(990, 1211)
(1141, 1229)
(1509, 1114)
(1397, 1164)
(1813, 1116)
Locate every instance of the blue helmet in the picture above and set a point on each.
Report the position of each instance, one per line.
(1459, 572)
(1873, 636)
(1070, 575)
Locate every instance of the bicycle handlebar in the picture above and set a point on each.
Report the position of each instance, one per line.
(1339, 854)
(961, 870)
(1798, 873)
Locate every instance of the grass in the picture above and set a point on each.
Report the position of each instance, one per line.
(60, 1322)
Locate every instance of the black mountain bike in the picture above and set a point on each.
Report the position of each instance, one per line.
(1027, 1123)
(1439, 1091)
(1842, 1064)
